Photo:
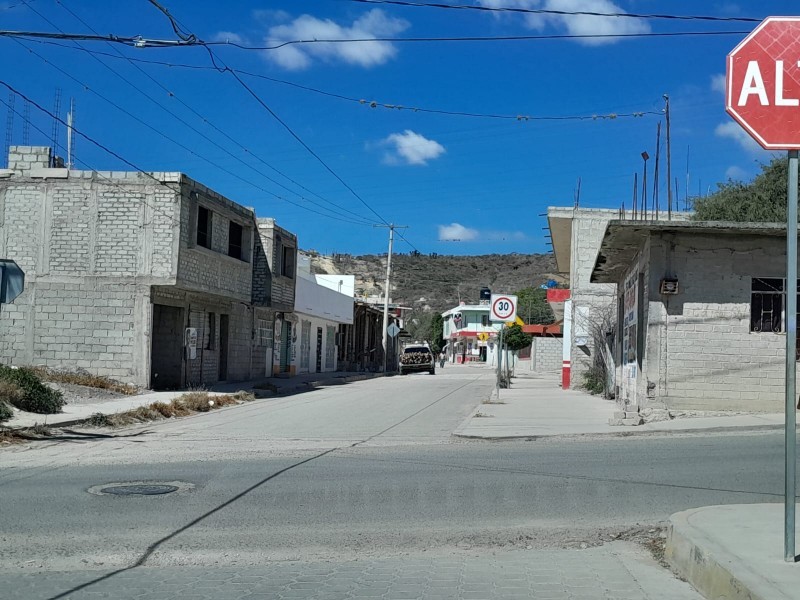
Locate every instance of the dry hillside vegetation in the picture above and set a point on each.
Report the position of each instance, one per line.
(438, 282)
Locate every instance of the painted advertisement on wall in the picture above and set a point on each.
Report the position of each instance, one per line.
(630, 312)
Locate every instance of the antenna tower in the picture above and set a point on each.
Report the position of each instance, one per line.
(9, 126)
(26, 124)
(57, 115)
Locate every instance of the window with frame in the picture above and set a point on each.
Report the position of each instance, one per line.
(203, 227)
(263, 332)
(485, 320)
(766, 304)
(287, 261)
(235, 234)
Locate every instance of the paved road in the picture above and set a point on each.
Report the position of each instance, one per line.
(364, 472)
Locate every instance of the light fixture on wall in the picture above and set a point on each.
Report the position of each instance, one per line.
(669, 286)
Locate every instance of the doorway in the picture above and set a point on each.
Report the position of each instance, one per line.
(319, 349)
(166, 350)
(223, 347)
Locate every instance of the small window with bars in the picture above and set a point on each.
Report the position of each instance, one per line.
(766, 305)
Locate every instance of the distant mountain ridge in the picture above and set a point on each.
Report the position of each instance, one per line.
(437, 281)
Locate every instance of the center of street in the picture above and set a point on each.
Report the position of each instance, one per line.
(366, 472)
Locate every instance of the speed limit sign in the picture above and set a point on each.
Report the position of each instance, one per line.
(503, 308)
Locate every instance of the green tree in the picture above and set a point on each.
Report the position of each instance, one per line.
(437, 333)
(515, 338)
(532, 306)
(763, 199)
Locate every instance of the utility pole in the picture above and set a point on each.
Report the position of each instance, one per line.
(385, 333)
(669, 162)
(643, 214)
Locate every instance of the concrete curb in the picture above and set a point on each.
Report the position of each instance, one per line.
(624, 432)
(710, 567)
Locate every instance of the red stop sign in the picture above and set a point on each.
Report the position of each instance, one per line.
(762, 83)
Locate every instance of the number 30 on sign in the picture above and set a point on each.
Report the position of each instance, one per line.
(503, 308)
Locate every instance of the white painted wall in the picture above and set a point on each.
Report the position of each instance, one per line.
(317, 300)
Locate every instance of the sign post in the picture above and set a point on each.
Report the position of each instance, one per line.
(502, 309)
(762, 93)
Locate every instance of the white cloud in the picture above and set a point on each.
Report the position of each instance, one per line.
(736, 132)
(412, 148)
(372, 24)
(718, 83)
(228, 37)
(456, 231)
(576, 24)
(735, 173)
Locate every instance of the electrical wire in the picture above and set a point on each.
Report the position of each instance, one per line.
(171, 94)
(373, 104)
(141, 42)
(502, 38)
(225, 68)
(543, 11)
(91, 141)
(184, 146)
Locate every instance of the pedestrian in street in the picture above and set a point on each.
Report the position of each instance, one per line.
(442, 358)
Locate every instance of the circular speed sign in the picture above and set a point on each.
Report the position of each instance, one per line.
(503, 307)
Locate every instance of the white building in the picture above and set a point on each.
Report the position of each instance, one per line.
(469, 334)
(320, 308)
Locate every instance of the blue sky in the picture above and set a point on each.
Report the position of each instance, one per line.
(463, 185)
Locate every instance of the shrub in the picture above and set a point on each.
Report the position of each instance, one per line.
(5, 411)
(99, 419)
(594, 380)
(10, 392)
(37, 397)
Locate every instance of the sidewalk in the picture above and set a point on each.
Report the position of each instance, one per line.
(615, 571)
(733, 552)
(535, 406)
(261, 388)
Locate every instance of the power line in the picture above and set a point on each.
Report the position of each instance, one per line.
(141, 42)
(373, 104)
(88, 139)
(286, 126)
(501, 38)
(205, 120)
(184, 146)
(543, 11)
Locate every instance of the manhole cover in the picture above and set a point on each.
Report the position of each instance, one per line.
(139, 490)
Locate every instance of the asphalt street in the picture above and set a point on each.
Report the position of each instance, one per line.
(359, 472)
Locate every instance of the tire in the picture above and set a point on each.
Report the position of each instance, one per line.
(432, 371)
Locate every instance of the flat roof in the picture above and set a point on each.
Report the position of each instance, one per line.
(623, 239)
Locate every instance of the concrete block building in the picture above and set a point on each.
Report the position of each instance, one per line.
(151, 279)
(701, 313)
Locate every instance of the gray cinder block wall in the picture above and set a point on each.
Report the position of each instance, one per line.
(699, 352)
(99, 249)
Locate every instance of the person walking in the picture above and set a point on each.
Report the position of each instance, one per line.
(442, 358)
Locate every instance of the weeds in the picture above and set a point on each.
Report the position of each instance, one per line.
(6, 412)
(182, 406)
(20, 436)
(86, 379)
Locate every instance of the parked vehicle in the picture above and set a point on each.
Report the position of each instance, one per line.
(417, 357)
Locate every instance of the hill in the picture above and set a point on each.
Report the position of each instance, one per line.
(436, 282)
